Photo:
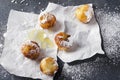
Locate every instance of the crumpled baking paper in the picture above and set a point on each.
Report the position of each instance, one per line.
(85, 37)
(19, 23)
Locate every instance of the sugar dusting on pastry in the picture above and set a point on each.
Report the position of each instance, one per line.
(46, 16)
(84, 13)
(33, 44)
(36, 38)
(89, 13)
(66, 43)
(62, 41)
(46, 20)
(30, 49)
(48, 66)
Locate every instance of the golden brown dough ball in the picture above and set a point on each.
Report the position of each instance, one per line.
(47, 20)
(60, 39)
(84, 13)
(48, 66)
(30, 49)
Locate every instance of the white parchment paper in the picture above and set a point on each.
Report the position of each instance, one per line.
(85, 37)
(19, 23)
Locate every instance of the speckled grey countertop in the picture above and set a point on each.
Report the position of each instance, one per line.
(99, 67)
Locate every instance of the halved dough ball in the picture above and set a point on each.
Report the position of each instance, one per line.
(47, 20)
(61, 40)
(30, 49)
(84, 13)
(48, 66)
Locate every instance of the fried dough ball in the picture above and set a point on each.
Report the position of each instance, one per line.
(31, 50)
(61, 40)
(47, 20)
(49, 66)
(84, 13)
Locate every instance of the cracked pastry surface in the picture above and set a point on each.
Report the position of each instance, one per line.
(47, 20)
(84, 13)
(48, 66)
(61, 39)
(30, 49)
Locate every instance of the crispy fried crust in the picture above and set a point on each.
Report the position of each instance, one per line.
(80, 13)
(30, 50)
(46, 23)
(61, 37)
(48, 66)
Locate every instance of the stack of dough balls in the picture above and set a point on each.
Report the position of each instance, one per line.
(47, 20)
(84, 13)
(61, 38)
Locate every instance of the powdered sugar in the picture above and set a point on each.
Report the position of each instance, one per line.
(15, 45)
(22, 1)
(66, 43)
(110, 28)
(89, 13)
(86, 70)
(12, 1)
(33, 44)
(46, 17)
